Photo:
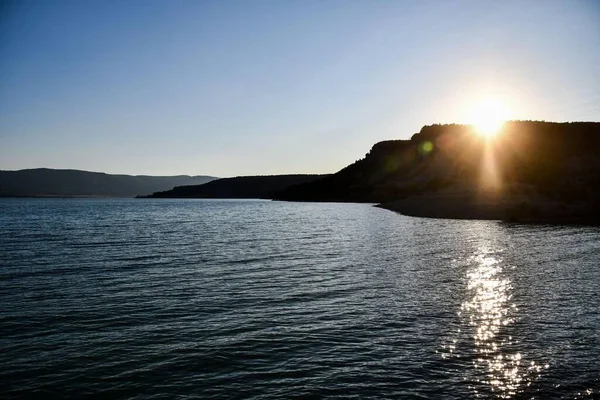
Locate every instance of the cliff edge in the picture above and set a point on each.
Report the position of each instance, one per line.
(531, 171)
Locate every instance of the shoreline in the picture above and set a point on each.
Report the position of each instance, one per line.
(533, 210)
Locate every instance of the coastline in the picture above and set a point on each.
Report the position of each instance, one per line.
(523, 209)
(449, 205)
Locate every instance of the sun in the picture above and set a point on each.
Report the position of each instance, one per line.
(488, 116)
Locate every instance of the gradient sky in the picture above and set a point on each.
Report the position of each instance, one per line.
(247, 87)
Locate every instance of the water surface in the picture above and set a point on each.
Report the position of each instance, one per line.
(259, 299)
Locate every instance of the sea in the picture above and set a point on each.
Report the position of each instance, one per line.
(253, 299)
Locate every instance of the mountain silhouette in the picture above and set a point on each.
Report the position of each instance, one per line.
(69, 182)
(250, 187)
(532, 170)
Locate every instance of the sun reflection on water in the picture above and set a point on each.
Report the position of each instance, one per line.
(487, 314)
(487, 311)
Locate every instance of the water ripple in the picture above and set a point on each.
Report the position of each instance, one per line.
(255, 299)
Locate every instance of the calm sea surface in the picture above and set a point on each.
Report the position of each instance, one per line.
(224, 299)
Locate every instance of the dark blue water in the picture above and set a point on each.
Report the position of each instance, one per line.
(258, 299)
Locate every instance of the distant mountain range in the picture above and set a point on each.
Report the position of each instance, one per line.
(72, 183)
(241, 187)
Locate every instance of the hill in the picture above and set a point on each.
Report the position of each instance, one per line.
(531, 170)
(249, 187)
(68, 182)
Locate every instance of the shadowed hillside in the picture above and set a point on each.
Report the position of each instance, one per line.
(530, 170)
(241, 187)
(68, 182)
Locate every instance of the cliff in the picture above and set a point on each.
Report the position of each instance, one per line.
(530, 171)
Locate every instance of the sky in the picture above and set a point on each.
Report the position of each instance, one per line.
(253, 87)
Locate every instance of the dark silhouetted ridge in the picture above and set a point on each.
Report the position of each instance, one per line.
(241, 187)
(68, 182)
(543, 171)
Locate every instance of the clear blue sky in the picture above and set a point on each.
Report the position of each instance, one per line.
(246, 87)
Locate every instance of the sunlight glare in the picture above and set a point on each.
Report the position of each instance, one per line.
(488, 116)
